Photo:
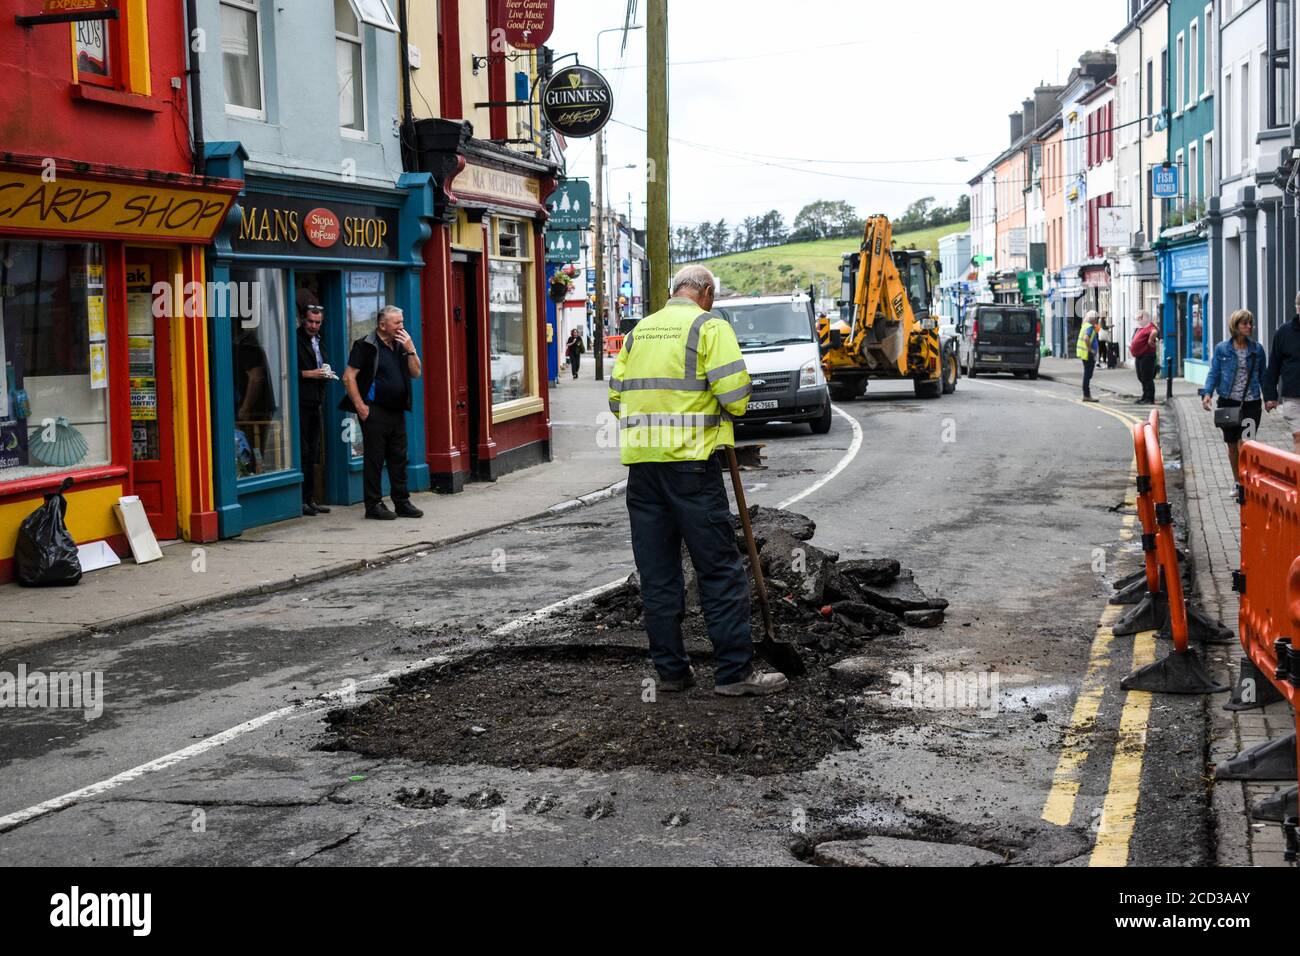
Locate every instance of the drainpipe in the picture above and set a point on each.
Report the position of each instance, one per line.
(196, 90)
(409, 160)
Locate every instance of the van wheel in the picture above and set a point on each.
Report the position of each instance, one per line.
(1033, 376)
(970, 367)
(820, 426)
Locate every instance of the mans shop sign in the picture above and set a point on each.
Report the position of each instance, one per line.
(66, 204)
(285, 225)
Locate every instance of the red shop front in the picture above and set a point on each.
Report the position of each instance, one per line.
(484, 322)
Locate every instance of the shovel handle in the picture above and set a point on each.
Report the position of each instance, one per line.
(754, 564)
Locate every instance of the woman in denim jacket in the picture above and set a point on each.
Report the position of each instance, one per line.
(1236, 376)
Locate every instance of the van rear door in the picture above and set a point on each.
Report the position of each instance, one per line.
(1008, 338)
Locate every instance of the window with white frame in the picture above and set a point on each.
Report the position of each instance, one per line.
(1151, 96)
(1209, 51)
(1193, 175)
(1247, 126)
(1227, 162)
(1278, 64)
(1193, 83)
(1180, 74)
(241, 58)
(1207, 157)
(349, 57)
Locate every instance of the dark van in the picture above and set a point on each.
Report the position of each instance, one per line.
(1003, 338)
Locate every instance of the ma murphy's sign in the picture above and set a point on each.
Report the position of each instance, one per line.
(577, 102)
(69, 205)
(484, 181)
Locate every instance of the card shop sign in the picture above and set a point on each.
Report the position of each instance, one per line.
(74, 6)
(527, 23)
(577, 102)
(283, 225)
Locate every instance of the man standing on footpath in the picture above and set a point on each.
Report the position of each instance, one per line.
(1282, 380)
(313, 373)
(676, 386)
(378, 382)
(1086, 349)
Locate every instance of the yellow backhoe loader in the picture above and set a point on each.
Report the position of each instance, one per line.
(885, 328)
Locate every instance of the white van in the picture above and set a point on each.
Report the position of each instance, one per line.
(778, 337)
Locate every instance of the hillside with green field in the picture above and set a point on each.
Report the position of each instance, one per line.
(800, 264)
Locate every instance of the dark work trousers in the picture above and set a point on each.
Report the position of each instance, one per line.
(1146, 372)
(384, 434)
(309, 432)
(672, 502)
(1089, 366)
(575, 362)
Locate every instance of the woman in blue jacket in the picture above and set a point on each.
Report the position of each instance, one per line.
(1236, 376)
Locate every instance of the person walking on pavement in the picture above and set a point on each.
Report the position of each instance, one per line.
(1086, 350)
(677, 384)
(1143, 347)
(378, 382)
(1103, 344)
(573, 351)
(1282, 381)
(1236, 376)
(313, 372)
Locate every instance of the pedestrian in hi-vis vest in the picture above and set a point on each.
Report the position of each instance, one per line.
(677, 385)
(1086, 350)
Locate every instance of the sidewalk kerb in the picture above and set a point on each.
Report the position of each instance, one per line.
(154, 615)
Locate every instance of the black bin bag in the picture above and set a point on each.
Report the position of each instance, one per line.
(46, 555)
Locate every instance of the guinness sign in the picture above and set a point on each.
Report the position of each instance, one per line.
(577, 102)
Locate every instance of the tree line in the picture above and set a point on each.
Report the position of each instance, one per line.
(823, 219)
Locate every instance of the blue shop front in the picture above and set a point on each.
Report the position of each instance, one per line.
(1188, 327)
(289, 244)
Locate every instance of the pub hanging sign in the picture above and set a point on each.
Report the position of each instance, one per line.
(291, 226)
(577, 102)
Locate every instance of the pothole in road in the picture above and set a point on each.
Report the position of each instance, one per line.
(590, 707)
(565, 528)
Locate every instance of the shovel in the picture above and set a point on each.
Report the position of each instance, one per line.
(784, 657)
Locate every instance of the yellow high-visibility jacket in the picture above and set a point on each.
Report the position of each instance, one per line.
(1087, 342)
(677, 384)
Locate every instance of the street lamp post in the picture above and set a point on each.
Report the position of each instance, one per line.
(599, 344)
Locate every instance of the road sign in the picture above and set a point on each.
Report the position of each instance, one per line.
(1164, 182)
(570, 205)
(563, 246)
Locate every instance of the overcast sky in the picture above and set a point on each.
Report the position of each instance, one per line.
(890, 91)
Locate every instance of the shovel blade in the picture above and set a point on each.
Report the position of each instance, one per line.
(784, 657)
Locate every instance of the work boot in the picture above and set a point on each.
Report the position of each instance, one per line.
(380, 512)
(756, 684)
(309, 510)
(405, 509)
(1094, 401)
(320, 509)
(680, 684)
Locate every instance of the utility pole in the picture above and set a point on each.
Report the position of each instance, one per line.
(657, 149)
(598, 340)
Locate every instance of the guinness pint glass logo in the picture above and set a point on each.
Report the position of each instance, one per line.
(577, 102)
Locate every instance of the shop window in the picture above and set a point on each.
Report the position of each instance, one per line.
(364, 294)
(350, 62)
(1196, 328)
(241, 57)
(54, 401)
(509, 274)
(95, 44)
(259, 353)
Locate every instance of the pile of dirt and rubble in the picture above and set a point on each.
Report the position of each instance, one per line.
(578, 691)
(825, 605)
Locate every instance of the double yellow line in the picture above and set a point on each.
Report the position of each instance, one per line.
(1117, 820)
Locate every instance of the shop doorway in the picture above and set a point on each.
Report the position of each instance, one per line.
(466, 392)
(153, 454)
(314, 289)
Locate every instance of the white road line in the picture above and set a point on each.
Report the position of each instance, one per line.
(854, 447)
(19, 817)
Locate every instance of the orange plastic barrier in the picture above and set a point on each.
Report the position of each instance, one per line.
(613, 344)
(1269, 579)
(1182, 671)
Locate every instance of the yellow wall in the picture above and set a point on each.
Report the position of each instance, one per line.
(422, 22)
(90, 517)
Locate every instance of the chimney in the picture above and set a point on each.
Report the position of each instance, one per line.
(1027, 108)
(1017, 126)
(1047, 102)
